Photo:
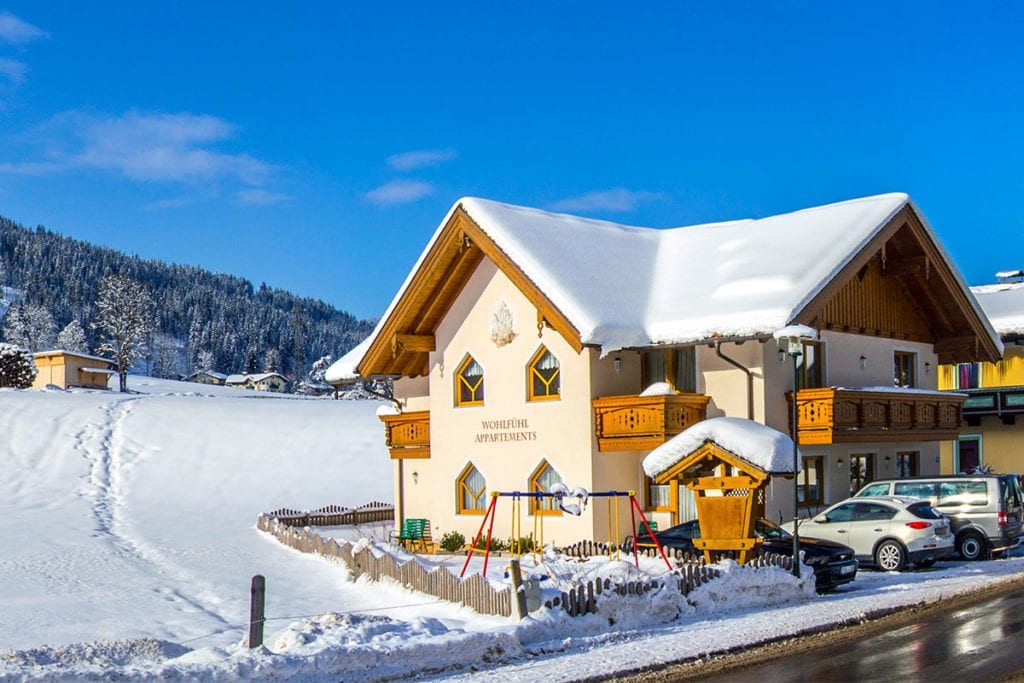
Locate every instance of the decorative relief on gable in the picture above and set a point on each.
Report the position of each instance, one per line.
(501, 326)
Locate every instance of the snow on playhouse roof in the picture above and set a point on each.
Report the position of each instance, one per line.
(1004, 306)
(764, 447)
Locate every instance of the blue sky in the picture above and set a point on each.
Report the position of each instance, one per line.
(316, 147)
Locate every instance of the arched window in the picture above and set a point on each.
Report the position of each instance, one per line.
(471, 489)
(544, 477)
(545, 380)
(469, 383)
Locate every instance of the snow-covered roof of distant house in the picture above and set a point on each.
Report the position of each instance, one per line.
(344, 369)
(76, 354)
(255, 377)
(764, 447)
(1004, 305)
(209, 373)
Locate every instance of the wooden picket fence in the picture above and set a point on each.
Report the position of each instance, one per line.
(335, 515)
(691, 575)
(474, 592)
(584, 549)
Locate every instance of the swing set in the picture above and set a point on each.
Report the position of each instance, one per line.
(538, 522)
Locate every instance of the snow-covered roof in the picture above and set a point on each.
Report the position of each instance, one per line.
(210, 373)
(98, 371)
(76, 354)
(764, 447)
(255, 377)
(1004, 306)
(344, 369)
(740, 278)
(621, 286)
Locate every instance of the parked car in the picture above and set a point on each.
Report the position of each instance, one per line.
(833, 563)
(887, 531)
(985, 511)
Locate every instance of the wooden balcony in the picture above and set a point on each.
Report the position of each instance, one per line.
(837, 415)
(640, 423)
(407, 434)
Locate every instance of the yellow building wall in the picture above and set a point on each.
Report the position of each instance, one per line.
(1000, 447)
(1009, 372)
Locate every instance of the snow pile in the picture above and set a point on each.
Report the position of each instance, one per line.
(742, 587)
(764, 447)
(103, 653)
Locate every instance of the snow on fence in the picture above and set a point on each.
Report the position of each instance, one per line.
(596, 548)
(335, 515)
(691, 575)
(474, 592)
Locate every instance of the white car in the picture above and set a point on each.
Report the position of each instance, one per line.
(887, 531)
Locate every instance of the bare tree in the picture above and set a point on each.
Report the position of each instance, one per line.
(124, 316)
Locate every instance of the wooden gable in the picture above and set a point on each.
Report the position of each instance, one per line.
(900, 287)
(703, 462)
(403, 345)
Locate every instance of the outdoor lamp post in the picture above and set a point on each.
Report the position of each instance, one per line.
(794, 337)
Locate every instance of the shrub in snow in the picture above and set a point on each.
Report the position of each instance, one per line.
(452, 541)
(16, 367)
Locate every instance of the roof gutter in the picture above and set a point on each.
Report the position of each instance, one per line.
(747, 371)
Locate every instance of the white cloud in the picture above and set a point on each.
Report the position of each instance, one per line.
(14, 30)
(408, 161)
(150, 147)
(617, 199)
(255, 195)
(12, 71)
(399, 192)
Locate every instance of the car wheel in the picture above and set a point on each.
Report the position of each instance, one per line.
(890, 556)
(972, 546)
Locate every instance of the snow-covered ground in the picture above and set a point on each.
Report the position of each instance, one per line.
(128, 544)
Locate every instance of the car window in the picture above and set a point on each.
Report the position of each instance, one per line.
(875, 490)
(1011, 496)
(769, 531)
(872, 512)
(915, 489)
(956, 493)
(842, 513)
(923, 510)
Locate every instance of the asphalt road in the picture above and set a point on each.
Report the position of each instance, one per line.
(974, 639)
(978, 643)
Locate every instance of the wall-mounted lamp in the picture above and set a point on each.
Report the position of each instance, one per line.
(927, 368)
(839, 463)
(863, 362)
(782, 356)
(887, 460)
(415, 477)
(618, 364)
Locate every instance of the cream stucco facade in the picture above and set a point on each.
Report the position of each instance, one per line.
(509, 437)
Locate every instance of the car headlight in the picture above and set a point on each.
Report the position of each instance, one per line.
(815, 560)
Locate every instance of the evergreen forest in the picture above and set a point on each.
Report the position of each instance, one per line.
(208, 320)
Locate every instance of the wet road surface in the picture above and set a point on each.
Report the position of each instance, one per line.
(978, 643)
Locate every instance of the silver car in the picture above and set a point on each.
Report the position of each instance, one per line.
(887, 531)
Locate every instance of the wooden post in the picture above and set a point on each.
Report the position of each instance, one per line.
(257, 601)
(518, 594)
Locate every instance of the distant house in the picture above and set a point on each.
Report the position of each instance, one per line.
(66, 369)
(991, 434)
(265, 381)
(207, 377)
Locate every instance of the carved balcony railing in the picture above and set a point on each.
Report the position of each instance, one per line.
(640, 423)
(840, 415)
(407, 434)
